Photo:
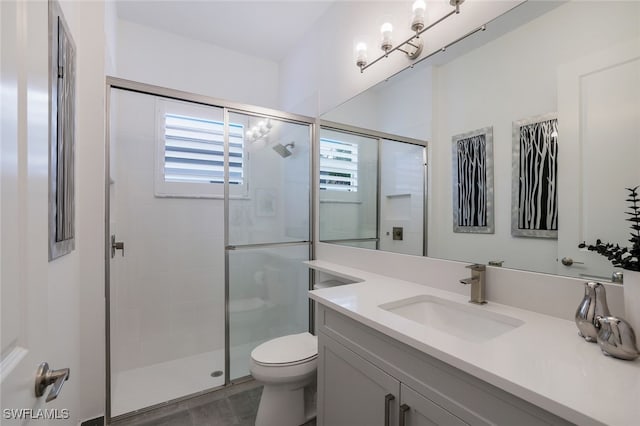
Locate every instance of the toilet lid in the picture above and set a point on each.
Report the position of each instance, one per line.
(287, 349)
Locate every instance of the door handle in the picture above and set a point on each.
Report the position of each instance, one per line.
(116, 245)
(567, 261)
(387, 408)
(46, 376)
(403, 414)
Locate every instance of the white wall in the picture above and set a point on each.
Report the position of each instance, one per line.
(513, 77)
(400, 106)
(78, 298)
(320, 73)
(160, 58)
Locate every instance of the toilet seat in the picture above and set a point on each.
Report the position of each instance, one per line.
(286, 351)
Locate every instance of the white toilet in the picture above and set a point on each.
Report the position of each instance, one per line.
(287, 368)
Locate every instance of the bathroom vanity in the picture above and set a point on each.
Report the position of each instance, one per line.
(393, 352)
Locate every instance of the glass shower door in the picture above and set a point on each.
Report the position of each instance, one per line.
(268, 234)
(166, 288)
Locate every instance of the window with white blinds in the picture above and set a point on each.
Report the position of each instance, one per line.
(338, 166)
(194, 150)
(190, 152)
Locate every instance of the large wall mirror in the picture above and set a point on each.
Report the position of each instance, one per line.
(565, 76)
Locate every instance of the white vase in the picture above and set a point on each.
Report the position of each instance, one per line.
(631, 288)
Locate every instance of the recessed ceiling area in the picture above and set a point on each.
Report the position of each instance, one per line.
(265, 29)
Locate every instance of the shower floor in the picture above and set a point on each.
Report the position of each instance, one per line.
(143, 387)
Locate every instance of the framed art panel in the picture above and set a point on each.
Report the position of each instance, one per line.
(534, 198)
(472, 154)
(62, 108)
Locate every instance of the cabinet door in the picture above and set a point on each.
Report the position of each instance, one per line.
(416, 410)
(352, 391)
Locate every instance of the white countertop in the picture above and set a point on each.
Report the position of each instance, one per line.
(544, 361)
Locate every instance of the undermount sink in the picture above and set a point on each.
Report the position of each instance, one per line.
(468, 322)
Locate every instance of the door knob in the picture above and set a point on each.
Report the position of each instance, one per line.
(46, 376)
(567, 261)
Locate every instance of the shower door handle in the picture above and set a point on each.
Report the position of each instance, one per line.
(116, 245)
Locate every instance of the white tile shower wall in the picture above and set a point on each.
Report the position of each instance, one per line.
(498, 91)
(402, 197)
(546, 294)
(270, 175)
(168, 289)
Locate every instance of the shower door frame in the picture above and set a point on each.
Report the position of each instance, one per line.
(152, 90)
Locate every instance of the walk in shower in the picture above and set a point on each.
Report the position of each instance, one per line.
(209, 226)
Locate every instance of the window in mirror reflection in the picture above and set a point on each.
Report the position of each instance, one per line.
(348, 186)
(338, 165)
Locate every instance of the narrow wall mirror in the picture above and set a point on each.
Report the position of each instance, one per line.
(578, 60)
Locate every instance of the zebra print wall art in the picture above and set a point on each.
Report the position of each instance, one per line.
(472, 154)
(534, 198)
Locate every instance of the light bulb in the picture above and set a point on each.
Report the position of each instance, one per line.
(419, 8)
(386, 30)
(361, 52)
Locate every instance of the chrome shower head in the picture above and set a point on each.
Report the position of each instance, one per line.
(283, 150)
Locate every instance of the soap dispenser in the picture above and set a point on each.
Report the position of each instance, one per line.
(593, 305)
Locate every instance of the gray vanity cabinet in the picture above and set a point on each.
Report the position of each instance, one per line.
(358, 367)
(354, 392)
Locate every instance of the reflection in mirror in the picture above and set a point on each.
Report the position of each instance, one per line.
(348, 188)
(372, 190)
(578, 59)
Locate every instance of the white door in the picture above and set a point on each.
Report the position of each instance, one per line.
(598, 151)
(24, 212)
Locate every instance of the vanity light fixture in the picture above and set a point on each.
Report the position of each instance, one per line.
(412, 47)
(259, 131)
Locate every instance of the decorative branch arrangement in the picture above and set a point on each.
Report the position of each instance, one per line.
(623, 257)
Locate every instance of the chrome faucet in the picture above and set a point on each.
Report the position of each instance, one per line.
(477, 282)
